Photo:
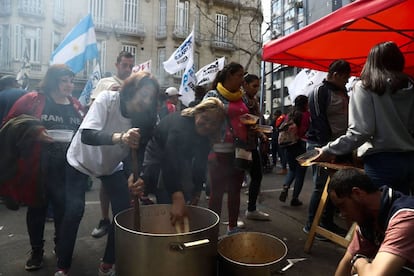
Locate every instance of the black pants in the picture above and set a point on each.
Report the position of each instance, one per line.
(256, 175)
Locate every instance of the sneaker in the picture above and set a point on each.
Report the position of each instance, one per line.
(240, 224)
(257, 215)
(295, 202)
(102, 228)
(283, 194)
(35, 261)
(106, 270)
(61, 272)
(233, 231)
(317, 236)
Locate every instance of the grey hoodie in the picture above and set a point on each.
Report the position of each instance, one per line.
(377, 123)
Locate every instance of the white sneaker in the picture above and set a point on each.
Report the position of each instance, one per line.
(257, 215)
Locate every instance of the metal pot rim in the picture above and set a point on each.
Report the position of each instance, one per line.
(217, 220)
(255, 265)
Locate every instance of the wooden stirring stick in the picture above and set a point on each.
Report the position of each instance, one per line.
(137, 214)
(186, 226)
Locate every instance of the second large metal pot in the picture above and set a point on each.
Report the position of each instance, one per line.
(250, 254)
(158, 250)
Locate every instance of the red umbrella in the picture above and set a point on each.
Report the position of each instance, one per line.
(348, 33)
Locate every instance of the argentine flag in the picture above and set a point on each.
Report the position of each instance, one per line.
(78, 46)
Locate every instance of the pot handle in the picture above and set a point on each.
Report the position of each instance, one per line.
(181, 246)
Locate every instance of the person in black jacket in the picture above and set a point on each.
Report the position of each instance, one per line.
(328, 106)
(180, 144)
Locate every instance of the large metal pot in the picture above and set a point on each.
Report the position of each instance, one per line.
(158, 250)
(250, 254)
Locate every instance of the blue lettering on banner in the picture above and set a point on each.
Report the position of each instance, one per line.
(183, 49)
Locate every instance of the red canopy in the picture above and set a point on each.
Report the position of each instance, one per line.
(348, 33)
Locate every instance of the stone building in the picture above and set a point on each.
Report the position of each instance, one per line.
(150, 29)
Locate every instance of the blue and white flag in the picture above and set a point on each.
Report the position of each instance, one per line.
(188, 83)
(85, 96)
(78, 46)
(181, 56)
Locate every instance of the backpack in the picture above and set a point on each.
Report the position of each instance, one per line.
(288, 132)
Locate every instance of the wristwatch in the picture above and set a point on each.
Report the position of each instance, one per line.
(356, 257)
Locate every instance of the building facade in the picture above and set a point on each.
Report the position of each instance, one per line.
(151, 30)
(286, 17)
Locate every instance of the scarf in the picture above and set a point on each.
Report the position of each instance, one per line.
(230, 96)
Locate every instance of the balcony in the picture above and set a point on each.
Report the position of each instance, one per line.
(161, 32)
(229, 3)
(220, 43)
(26, 9)
(130, 28)
(102, 25)
(180, 32)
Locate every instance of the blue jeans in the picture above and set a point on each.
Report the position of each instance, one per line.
(319, 176)
(296, 172)
(116, 186)
(394, 169)
(75, 206)
(277, 150)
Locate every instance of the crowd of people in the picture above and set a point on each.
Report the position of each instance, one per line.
(138, 140)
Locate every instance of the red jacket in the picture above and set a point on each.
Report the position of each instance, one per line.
(24, 186)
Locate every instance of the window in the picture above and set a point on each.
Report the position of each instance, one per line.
(130, 15)
(181, 17)
(4, 45)
(161, 53)
(196, 61)
(221, 28)
(96, 9)
(5, 7)
(161, 31)
(56, 39)
(163, 13)
(27, 43)
(197, 24)
(102, 54)
(31, 7)
(131, 49)
(59, 11)
(91, 64)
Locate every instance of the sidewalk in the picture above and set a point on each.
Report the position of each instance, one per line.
(286, 223)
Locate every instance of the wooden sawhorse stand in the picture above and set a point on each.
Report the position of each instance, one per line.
(315, 228)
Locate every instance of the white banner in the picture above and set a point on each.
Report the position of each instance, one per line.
(145, 66)
(179, 59)
(208, 73)
(305, 81)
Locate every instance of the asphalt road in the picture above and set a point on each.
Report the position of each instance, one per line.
(286, 223)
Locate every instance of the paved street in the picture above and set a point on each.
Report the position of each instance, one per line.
(286, 224)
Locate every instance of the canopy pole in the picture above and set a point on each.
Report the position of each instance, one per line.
(262, 89)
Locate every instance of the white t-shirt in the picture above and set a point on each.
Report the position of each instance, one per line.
(104, 114)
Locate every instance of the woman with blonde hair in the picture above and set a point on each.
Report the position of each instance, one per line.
(179, 149)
